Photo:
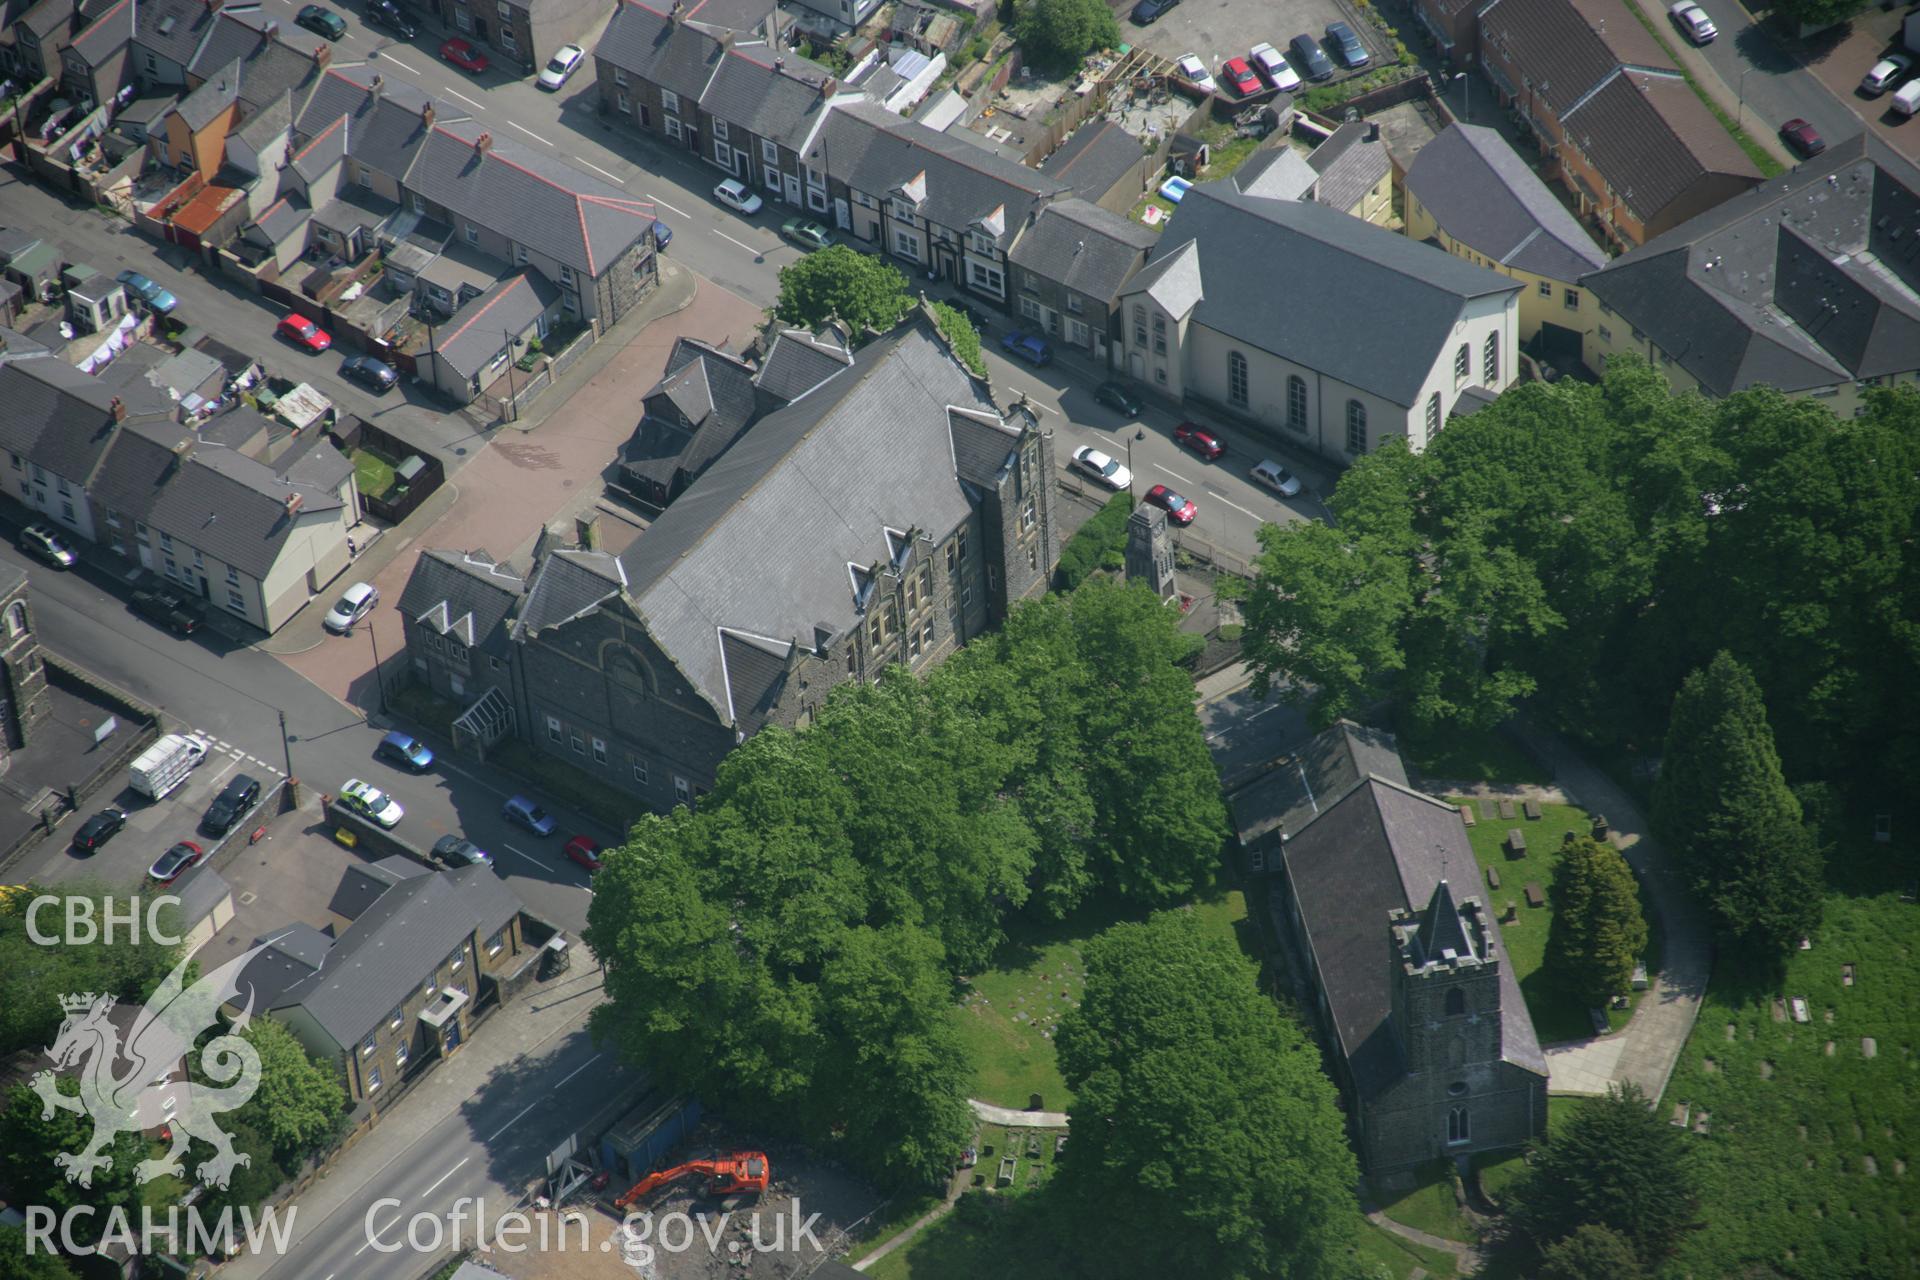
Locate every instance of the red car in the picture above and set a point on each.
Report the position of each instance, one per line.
(1237, 73)
(1179, 510)
(463, 55)
(304, 333)
(1200, 440)
(1803, 137)
(584, 850)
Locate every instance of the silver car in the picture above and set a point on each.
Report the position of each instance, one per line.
(1277, 478)
(560, 68)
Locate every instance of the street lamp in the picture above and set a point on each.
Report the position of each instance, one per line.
(1740, 95)
(1466, 95)
(1138, 434)
(378, 679)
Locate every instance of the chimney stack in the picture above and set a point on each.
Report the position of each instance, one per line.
(118, 408)
(377, 85)
(426, 116)
(294, 503)
(322, 55)
(827, 86)
(1373, 131)
(676, 13)
(586, 532)
(482, 144)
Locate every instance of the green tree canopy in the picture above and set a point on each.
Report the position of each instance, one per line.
(1590, 1252)
(29, 1144)
(841, 283)
(33, 975)
(1054, 34)
(1202, 1123)
(1598, 932)
(299, 1105)
(17, 1264)
(961, 336)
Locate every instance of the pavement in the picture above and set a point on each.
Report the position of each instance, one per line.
(1017, 1119)
(1751, 78)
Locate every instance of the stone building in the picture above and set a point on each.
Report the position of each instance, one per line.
(23, 695)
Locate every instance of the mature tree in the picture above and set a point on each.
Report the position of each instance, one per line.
(1201, 1119)
(1815, 14)
(1590, 1252)
(1726, 812)
(841, 283)
(299, 1104)
(18, 1264)
(961, 336)
(1054, 34)
(29, 1143)
(1598, 932)
(1615, 1165)
(34, 975)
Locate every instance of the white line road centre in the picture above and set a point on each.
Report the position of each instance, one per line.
(530, 133)
(464, 98)
(758, 253)
(602, 172)
(664, 205)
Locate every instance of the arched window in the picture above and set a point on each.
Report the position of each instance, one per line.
(1456, 1002)
(1296, 402)
(1458, 1128)
(1356, 427)
(1462, 361)
(1433, 414)
(625, 667)
(1236, 378)
(1490, 361)
(16, 619)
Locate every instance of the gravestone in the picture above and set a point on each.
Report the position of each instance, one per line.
(1535, 898)
(1516, 843)
(1506, 810)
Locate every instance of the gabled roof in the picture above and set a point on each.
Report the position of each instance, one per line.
(1653, 139)
(1568, 47)
(678, 56)
(173, 29)
(799, 361)
(1098, 155)
(1483, 195)
(697, 409)
(1276, 173)
(105, 35)
(568, 584)
(386, 117)
(1083, 247)
(478, 331)
(463, 594)
(753, 669)
(283, 217)
(62, 419)
(323, 150)
(220, 90)
(1385, 306)
(1286, 799)
(1350, 164)
(772, 95)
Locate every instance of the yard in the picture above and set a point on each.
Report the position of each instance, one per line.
(372, 474)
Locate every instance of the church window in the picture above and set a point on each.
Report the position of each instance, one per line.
(1456, 1002)
(1458, 1128)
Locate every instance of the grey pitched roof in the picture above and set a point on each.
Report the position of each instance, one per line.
(1098, 155)
(799, 361)
(283, 217)
(1278, 173)
(1083, 247)
(477, 332)
(783, 102)
(43, 18)
(705, 400)
(1483, 195)
(173, 29)
(679, 57)
(1284, 800)
(395, 944)
(1380, 848)
(188, 371)
(1386, 305)
(1804, 282)
(1441, 929)
(1349, 164)
(566, 584)
(269, 120)
(291, 955)
(105, 35)
(220, 91)
(321, 151)
(464, 594)
(766, 542)
(753, 669)
(387, 116)
(983, 445)
(62, 419)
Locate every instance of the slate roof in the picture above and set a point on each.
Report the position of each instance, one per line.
(105, 35)
(283, 217)
(679, 57)
(220, 91)
(566, 584)
(712, 394)
(1383, 847)
(268, 121)
(1568, 48)
(1386, 305)
(173, 29)
(477, 332)
(799, 361)
(386, 123)
(1277, 173)
(1809, 280)
(1653, 139)
(62, 419)
(1097, 156)
(1350, 164)
(1285, 800)
(983, 445)
(321, 151)
(396, 943)
(753, 669)
(784, 104)
(47, 16)
(1084, 248)
(1483, 195)
(464, 594)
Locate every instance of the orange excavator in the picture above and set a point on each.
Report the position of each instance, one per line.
(726, 1176)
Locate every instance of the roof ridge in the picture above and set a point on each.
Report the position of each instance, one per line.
(519, 279)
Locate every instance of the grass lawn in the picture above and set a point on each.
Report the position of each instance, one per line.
(1166, 208)
(1009, 1013)
(1429, 1206)
(372, 474)
(1377, 1247)
(1557, 1015)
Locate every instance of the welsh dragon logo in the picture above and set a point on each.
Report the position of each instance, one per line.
(154, 1091)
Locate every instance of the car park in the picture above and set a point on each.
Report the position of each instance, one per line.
(1028, 346)
(458, 851)
(321, 21)
(385, 13)
(303, 333)
(404, 750)
(463, 55)
(733, 193)
(1313, 60)
(375, 375)
(1179, 510)
(1240, 77)
(1195, 73)
(170, 865)
(1345, 46)
(584, 850)
(176, 613)
(560, 67)
(47, 545)
(1277, 478)
(233, 803)
(371, 803)
(99, 829)
(157, 300)
(1117, 397)
(1105, 470)
(1269, 62)
(1692, 21)
(1802, 137)
(354, 604)
(1151, 11)
(1192, 436)
(1884, 74)
(806, 233)
(522, 812)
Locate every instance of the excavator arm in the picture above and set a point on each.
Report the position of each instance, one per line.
(726, 1176)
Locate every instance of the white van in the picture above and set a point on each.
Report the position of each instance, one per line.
(1906, 99)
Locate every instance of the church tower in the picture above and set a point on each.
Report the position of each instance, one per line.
(1446, 1005)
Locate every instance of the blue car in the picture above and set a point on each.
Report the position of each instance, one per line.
(1029, 347)
(158, 300)
(405, 751)
(662, 235)
(522, 812)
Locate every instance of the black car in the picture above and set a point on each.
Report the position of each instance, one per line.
(1117, 397)
(975, 316)
(385, 13)
(231, 805)
(98, 829)
(321, 21)
(458, 851)
(1148, 11)
(176, 613)
(374, 374)
(1312, 58)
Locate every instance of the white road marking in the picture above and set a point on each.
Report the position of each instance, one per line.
(373, 1236)
(555, 1089)
(664, 205)
(1242, 510)
(416, 71)
(1036, 403)
(602, 172)
(443, 1177)
(464, 98)
(1175, 474)
(531, 134)
(758, 253)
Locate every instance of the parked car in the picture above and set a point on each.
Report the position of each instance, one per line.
(303, 333)
(169, 866)
(1269, 62)
(375, 375)
(43, 542)
(404, 750)
(458, 851)
(156, 299)
(354, 604)
(176, 613)
(584, 850)
(371, 803)
(463, 55)
(1118, 398)
(1151, 11)
(321, 21)
(1277, 478)
(1802, 137)
(806, 233)
(1200, 440)
(1027, 346)
(560, 67)
(232, 804)
(386, 13)
(1195, 73)
(733, 193)
(975, 316)
(1107, 471)
(522, 812)
(1886, 73)
(1312, 58)
(1906, 99)
(662, 235)
(1238, 74)
(1346, 45)
(1692, 21)
(1179, 510)
(99, 829)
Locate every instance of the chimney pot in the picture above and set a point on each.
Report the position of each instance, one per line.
(483, 142)
(827, 86)
(294, 503)
(376, 85)
(426, 115)
(322, 55)
(118, 408)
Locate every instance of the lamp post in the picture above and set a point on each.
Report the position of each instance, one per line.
(1466, 95)
(510, 405)
(286, 747)
(379, 680)
(1740, 96)
(1138, 434)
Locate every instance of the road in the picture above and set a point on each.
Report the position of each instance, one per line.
(1767, 81)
